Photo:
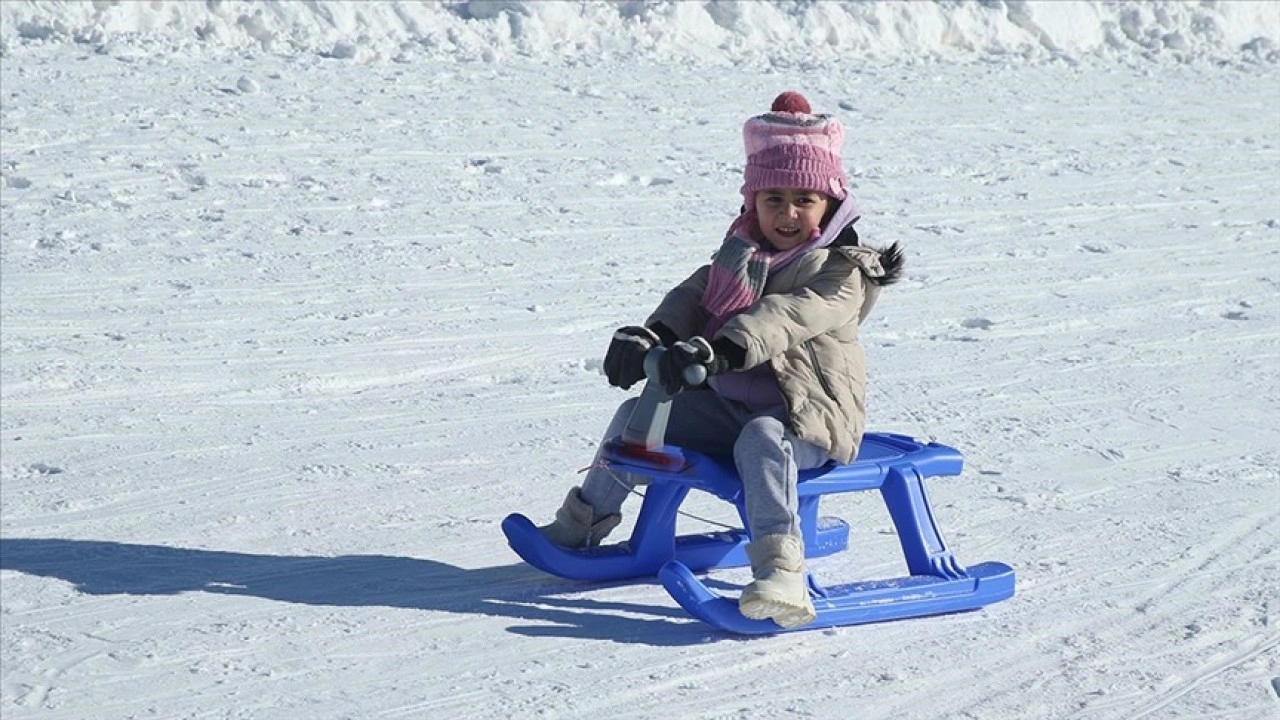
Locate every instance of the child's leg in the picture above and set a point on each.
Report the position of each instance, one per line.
(604, 489)
(701, 420)
(591, 512)
(768, 457)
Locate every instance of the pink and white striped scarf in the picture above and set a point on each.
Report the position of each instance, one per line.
(743, 263)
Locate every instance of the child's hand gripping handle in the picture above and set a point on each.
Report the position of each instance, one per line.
(685, 366)
(668, 371)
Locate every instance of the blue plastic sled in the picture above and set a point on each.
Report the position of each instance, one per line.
(896, 465)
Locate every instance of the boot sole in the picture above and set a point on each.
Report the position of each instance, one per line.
(785, 614)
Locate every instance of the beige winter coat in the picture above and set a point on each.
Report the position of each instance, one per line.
(806, 327)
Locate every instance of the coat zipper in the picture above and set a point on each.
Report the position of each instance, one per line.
(817, 370)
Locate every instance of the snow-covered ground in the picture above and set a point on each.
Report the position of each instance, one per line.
(295, 309)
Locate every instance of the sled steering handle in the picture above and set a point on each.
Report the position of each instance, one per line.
(647, 426)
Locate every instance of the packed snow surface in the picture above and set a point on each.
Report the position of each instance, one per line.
(299, 300)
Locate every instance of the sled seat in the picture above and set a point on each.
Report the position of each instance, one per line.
(896, 465)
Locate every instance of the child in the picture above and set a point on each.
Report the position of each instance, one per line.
(780, 303)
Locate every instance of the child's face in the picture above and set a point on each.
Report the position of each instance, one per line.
(789, 217)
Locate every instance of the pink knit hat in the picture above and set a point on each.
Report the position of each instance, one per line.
(789, 147)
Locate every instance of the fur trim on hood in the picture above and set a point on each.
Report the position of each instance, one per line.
(880, 267)
(892, 260)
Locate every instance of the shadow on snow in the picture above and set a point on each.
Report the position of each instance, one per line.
(516, 591)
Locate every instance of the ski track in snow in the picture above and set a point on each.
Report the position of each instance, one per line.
(277, 363)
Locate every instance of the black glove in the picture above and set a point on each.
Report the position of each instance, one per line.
(685, 364)
(624, 362)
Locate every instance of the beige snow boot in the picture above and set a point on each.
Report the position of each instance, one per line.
(780, 591)
(574, 526)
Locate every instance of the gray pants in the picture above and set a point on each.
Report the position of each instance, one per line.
(765, 451)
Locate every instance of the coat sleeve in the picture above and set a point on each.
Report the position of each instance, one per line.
(777, 322)
(681, 309)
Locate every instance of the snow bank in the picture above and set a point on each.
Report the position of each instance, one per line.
(718, 32)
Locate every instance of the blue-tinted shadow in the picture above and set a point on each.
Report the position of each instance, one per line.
(514, 591)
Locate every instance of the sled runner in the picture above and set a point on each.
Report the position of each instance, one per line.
(896, 465)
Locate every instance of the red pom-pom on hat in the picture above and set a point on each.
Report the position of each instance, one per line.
(791, 102)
